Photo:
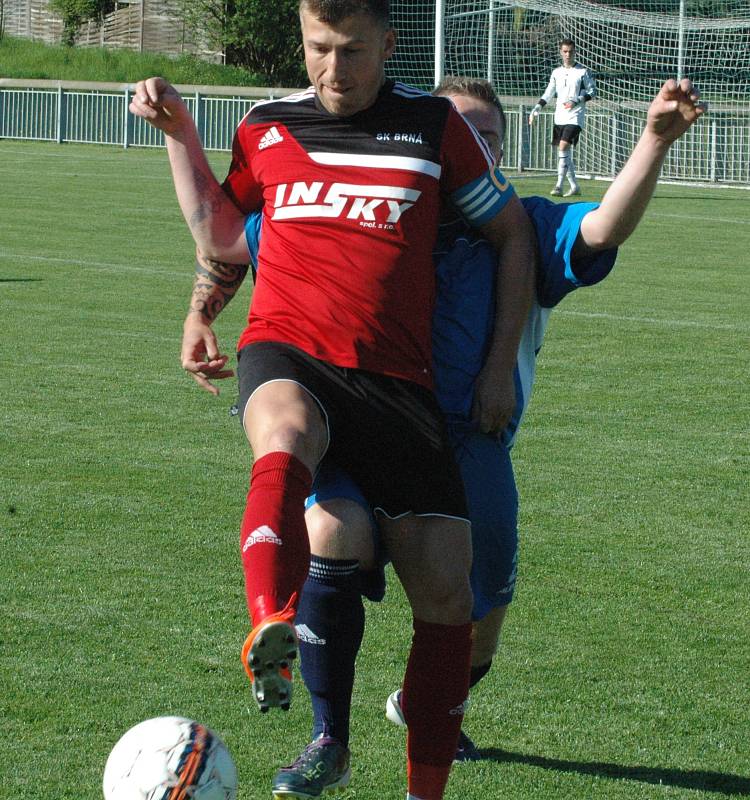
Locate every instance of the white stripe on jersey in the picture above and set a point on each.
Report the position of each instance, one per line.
(405, 90)
(297, 97)
(379, 162)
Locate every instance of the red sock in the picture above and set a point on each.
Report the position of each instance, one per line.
(436, 686)
(273, 538)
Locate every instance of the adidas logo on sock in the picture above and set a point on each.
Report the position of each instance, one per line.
(262, 535)
(306, 635)
(271, 136)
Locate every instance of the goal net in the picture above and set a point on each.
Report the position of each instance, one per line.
(630, 47)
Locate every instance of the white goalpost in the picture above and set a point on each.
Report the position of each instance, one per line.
(631, 48)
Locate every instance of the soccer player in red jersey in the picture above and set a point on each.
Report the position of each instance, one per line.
(335, 361)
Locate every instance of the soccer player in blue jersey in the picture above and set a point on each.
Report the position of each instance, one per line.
(576, 247)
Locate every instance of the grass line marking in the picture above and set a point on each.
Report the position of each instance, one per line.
(93, 265)
(734, 220)
(667, 323)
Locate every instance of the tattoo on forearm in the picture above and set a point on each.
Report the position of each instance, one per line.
(212, 205)
(216, 283)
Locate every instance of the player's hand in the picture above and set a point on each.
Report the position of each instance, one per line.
(532, 117)
(494, 399)
(568, 105)
(200, 353)
(160, 104)
(674, 110)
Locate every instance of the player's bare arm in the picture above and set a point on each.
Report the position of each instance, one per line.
(215, 284)
(512, 236)
(672, 112)
(210, 214)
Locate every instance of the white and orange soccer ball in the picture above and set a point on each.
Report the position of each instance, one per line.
(170, 758)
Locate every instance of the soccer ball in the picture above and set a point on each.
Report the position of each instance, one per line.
(170, 758)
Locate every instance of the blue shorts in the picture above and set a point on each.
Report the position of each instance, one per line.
(492, 498)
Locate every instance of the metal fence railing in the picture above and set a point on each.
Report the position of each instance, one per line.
(715, 151)
(98, 113)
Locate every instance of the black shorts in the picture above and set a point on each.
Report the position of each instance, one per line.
(566, 133)
(388, 434)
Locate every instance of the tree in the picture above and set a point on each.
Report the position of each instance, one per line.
(260, 36)
(75, 12)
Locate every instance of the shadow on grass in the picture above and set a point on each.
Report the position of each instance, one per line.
(685, 778)
(20, 280)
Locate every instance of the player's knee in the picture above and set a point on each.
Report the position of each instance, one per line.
(443, 595)
(432, 556)
(282, 416)
(341, 529)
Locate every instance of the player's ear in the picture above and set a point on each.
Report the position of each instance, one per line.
(389, 43)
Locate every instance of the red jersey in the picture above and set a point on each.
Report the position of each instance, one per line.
(350, 217)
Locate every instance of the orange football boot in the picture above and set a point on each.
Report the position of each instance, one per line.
(266, 657)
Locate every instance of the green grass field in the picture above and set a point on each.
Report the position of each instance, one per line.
(625, 666)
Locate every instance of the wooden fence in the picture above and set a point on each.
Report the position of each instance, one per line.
(142, 25)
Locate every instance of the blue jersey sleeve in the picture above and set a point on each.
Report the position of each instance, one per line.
(252, 234)
(557, 227)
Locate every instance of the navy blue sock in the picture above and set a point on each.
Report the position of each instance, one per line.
(330, 624)
(477, 673)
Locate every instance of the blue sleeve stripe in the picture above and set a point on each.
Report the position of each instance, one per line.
(485, 197)
(469, 192)
(480, 200)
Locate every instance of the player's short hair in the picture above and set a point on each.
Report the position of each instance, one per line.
(472, 87)
(568, 43)
(332, 12)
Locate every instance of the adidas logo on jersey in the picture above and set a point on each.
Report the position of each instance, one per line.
(271, 136)
(262, 535)
(306, 635)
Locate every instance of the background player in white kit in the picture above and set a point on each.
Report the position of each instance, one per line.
(574, 86)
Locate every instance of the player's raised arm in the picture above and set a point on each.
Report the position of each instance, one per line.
(672, 112)
(214, 221)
